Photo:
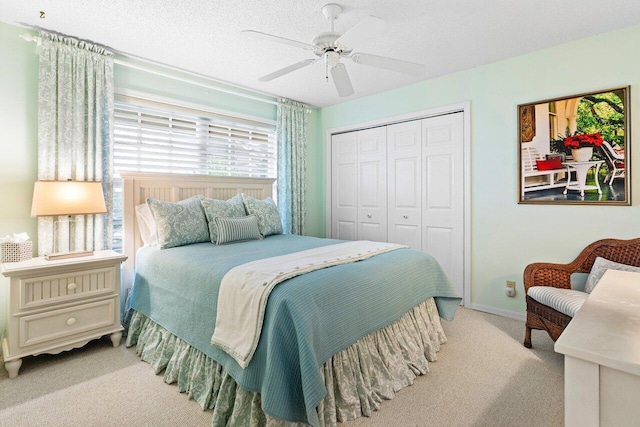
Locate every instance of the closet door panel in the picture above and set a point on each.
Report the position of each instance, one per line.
(372, 184)
(443, 193)
(438, 242)
(344, 191)
(404, 183)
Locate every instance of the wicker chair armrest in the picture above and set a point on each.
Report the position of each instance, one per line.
(559, 275)
(549, 274)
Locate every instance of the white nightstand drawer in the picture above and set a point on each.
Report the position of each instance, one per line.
(56, 324)
(59, 288)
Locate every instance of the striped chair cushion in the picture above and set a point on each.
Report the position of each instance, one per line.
(565, 301)
(235, 229)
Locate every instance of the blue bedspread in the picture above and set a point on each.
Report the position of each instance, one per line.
(308, 319)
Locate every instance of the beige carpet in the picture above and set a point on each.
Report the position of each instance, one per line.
(483, 377)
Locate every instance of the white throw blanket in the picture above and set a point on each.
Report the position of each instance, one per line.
(244, 290)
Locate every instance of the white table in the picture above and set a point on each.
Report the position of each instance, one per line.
(581, 169)
(601, 348)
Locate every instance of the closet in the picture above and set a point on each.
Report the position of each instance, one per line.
(403, 183)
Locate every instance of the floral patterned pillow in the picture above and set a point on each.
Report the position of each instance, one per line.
(234, 207)
(600, 266)
(267, 213)
(179, 224)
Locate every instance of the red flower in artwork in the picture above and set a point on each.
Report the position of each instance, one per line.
(583, 140)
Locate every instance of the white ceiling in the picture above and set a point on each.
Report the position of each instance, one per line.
(204, 36)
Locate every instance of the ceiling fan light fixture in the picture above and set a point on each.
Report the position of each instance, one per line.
(332, 58)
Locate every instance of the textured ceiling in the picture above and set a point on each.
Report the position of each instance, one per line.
(204, 36)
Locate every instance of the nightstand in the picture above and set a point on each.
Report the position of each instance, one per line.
(59, 305)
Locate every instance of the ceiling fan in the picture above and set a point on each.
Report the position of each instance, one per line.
(332, 46)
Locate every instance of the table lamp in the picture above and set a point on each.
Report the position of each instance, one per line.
(57, 198)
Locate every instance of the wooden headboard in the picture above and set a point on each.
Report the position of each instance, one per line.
(138, 187)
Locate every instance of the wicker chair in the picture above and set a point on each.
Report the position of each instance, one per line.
(540, 316)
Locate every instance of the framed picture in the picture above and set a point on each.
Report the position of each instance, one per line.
(575, 149)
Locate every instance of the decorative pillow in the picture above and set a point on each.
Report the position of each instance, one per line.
(578, 281)
(146, 225)
(549, 164)
(600, 266)
(267, 213)
(179, 224)
(237, 229)
(234, 207)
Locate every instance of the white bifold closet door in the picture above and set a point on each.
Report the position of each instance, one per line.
(372, 184)
(344, 186)
(443, 193)
(359, 185)
(403, 183)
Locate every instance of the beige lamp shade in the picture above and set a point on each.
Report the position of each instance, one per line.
(51, 198)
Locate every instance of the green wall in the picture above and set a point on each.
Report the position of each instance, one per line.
(19, 124)
(505, 236)
(18, 140)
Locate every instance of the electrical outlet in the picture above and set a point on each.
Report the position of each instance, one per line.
(510, 290)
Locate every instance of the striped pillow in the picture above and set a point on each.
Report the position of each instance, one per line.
(566, 301)
(236, 229)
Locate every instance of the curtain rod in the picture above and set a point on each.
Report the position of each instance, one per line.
(31, 38)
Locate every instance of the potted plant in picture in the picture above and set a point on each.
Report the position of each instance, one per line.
(581, 145)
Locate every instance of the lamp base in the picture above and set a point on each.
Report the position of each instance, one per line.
(65, 255)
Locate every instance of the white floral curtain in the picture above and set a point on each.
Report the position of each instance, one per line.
(75, 131)
(292, 180)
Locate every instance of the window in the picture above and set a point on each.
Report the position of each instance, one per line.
(170, 137)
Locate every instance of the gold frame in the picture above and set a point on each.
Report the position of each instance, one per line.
(530, 106)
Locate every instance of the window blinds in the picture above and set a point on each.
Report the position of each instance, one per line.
(153, 136)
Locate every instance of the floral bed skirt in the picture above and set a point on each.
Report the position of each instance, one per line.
(357, 379)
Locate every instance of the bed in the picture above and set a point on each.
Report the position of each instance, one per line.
(335, 342)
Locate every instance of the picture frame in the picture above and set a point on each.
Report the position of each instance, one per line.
(582, 144)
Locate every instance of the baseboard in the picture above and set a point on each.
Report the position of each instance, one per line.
(499, 312)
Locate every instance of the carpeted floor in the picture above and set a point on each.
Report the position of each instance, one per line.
(483, 377)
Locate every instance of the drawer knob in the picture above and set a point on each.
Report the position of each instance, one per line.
(71, 321)
(368, 215)
(72, 286)
(405, 216)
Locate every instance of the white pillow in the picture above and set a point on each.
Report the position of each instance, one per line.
(146, 225)
(600, 266)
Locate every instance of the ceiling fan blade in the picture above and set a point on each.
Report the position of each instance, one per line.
(277, 39)
(389, 63)
(341, 80)
(362, 32)
(287, 70)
